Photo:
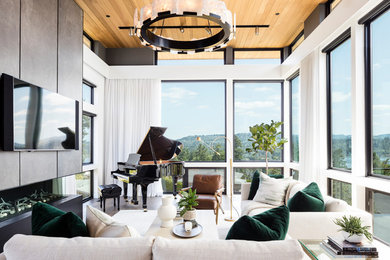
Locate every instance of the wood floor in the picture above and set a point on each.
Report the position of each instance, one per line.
(153, 203)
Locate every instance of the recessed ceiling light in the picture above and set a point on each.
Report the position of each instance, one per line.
(108, 16)
(277, 13)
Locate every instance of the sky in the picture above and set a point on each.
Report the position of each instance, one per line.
(193, 108)
(198, 108)
(380, 74)
(256, 103)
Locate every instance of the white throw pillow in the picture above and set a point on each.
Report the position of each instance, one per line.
(100, 224)
(272, 191)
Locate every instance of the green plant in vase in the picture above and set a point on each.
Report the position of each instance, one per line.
(267, 138)
(352, 229)
(187, 204)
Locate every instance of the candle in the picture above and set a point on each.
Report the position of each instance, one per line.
(188, 226)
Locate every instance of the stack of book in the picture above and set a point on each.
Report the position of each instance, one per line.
(336, 246)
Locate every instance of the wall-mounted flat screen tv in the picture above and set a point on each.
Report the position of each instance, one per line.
(34, 118)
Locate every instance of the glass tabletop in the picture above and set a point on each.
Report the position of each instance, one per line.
(313, 249)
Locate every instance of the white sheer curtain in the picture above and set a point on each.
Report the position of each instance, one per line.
(131, 107)
(310, 151)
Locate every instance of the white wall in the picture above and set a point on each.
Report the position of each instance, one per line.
(96, 71)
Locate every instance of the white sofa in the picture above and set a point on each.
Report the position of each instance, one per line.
(306, 225)
(48, 248)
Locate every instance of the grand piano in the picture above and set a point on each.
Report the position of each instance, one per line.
(155, 155)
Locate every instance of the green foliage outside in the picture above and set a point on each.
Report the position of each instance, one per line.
(266, 138)
(86, 131)
(167, 183)
(188, 201)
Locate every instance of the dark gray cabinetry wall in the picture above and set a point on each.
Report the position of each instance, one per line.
(41, 42)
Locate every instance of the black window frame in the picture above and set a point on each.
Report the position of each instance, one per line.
(282, 58)
(299, 36)
(329, 187)
(346, 35)
(291, 173)
(366, 21)
(92, 116)
(252, 167)
(225, 134)
(370, 208)
(185, 176)
(281, 116)
(92, 86)
(91, 172)
(90, 39)
(290, 79)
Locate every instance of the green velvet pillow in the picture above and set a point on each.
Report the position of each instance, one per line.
(49, 221)
(254, 185)
(266, 226)
(308, 199)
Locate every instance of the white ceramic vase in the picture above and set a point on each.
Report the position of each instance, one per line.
(189, 215)
(352, 239)
(167, 212)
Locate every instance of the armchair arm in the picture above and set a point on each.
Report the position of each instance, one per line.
(219, 192)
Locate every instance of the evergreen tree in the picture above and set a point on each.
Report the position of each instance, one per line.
(238, 150)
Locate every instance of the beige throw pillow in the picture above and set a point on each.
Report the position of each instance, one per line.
(272, 191)
(100, 224)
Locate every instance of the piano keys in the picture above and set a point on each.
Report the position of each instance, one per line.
(155, 155)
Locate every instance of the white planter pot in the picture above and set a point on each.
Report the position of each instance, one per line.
(167, 212)
(352, 239)
(190, 215)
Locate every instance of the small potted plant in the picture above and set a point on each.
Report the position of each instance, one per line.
(352, 229)
(187, 204)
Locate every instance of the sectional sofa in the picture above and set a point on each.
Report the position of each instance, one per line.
(306, 225)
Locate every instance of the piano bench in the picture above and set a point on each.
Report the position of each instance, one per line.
(107, 192)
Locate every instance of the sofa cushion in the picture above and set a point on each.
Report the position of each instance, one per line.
(49, 221)
(269, 225)
(271, 191)
(100, 224)
(254, 185)
(55, 248)
(247, 206)
(180, 249)
(308, 199)
(206, 201)
(335, 205)
(294, 187)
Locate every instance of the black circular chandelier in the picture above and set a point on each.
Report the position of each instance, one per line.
(214, 11)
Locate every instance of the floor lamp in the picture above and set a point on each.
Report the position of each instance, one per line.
(231, 170)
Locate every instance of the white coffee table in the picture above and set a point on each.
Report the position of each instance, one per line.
(204, 217)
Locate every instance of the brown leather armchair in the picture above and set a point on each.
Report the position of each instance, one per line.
(209, 189)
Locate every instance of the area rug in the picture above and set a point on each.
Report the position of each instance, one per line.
(138, 219)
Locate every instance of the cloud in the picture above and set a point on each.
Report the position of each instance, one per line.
(262, 89)
(21, 113)
(202, 107)
(339, 97)
(381, 107)
(176, 95)
(55, 99)
(254, 105)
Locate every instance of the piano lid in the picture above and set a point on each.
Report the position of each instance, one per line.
(164, 148)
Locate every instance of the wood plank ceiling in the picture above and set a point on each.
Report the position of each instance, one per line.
(284, 17)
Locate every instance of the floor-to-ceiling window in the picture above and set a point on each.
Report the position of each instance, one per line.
(87, 134)
(255, 102)
(339, 103)
(195, 114)
(379, 92)
(294, 119)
